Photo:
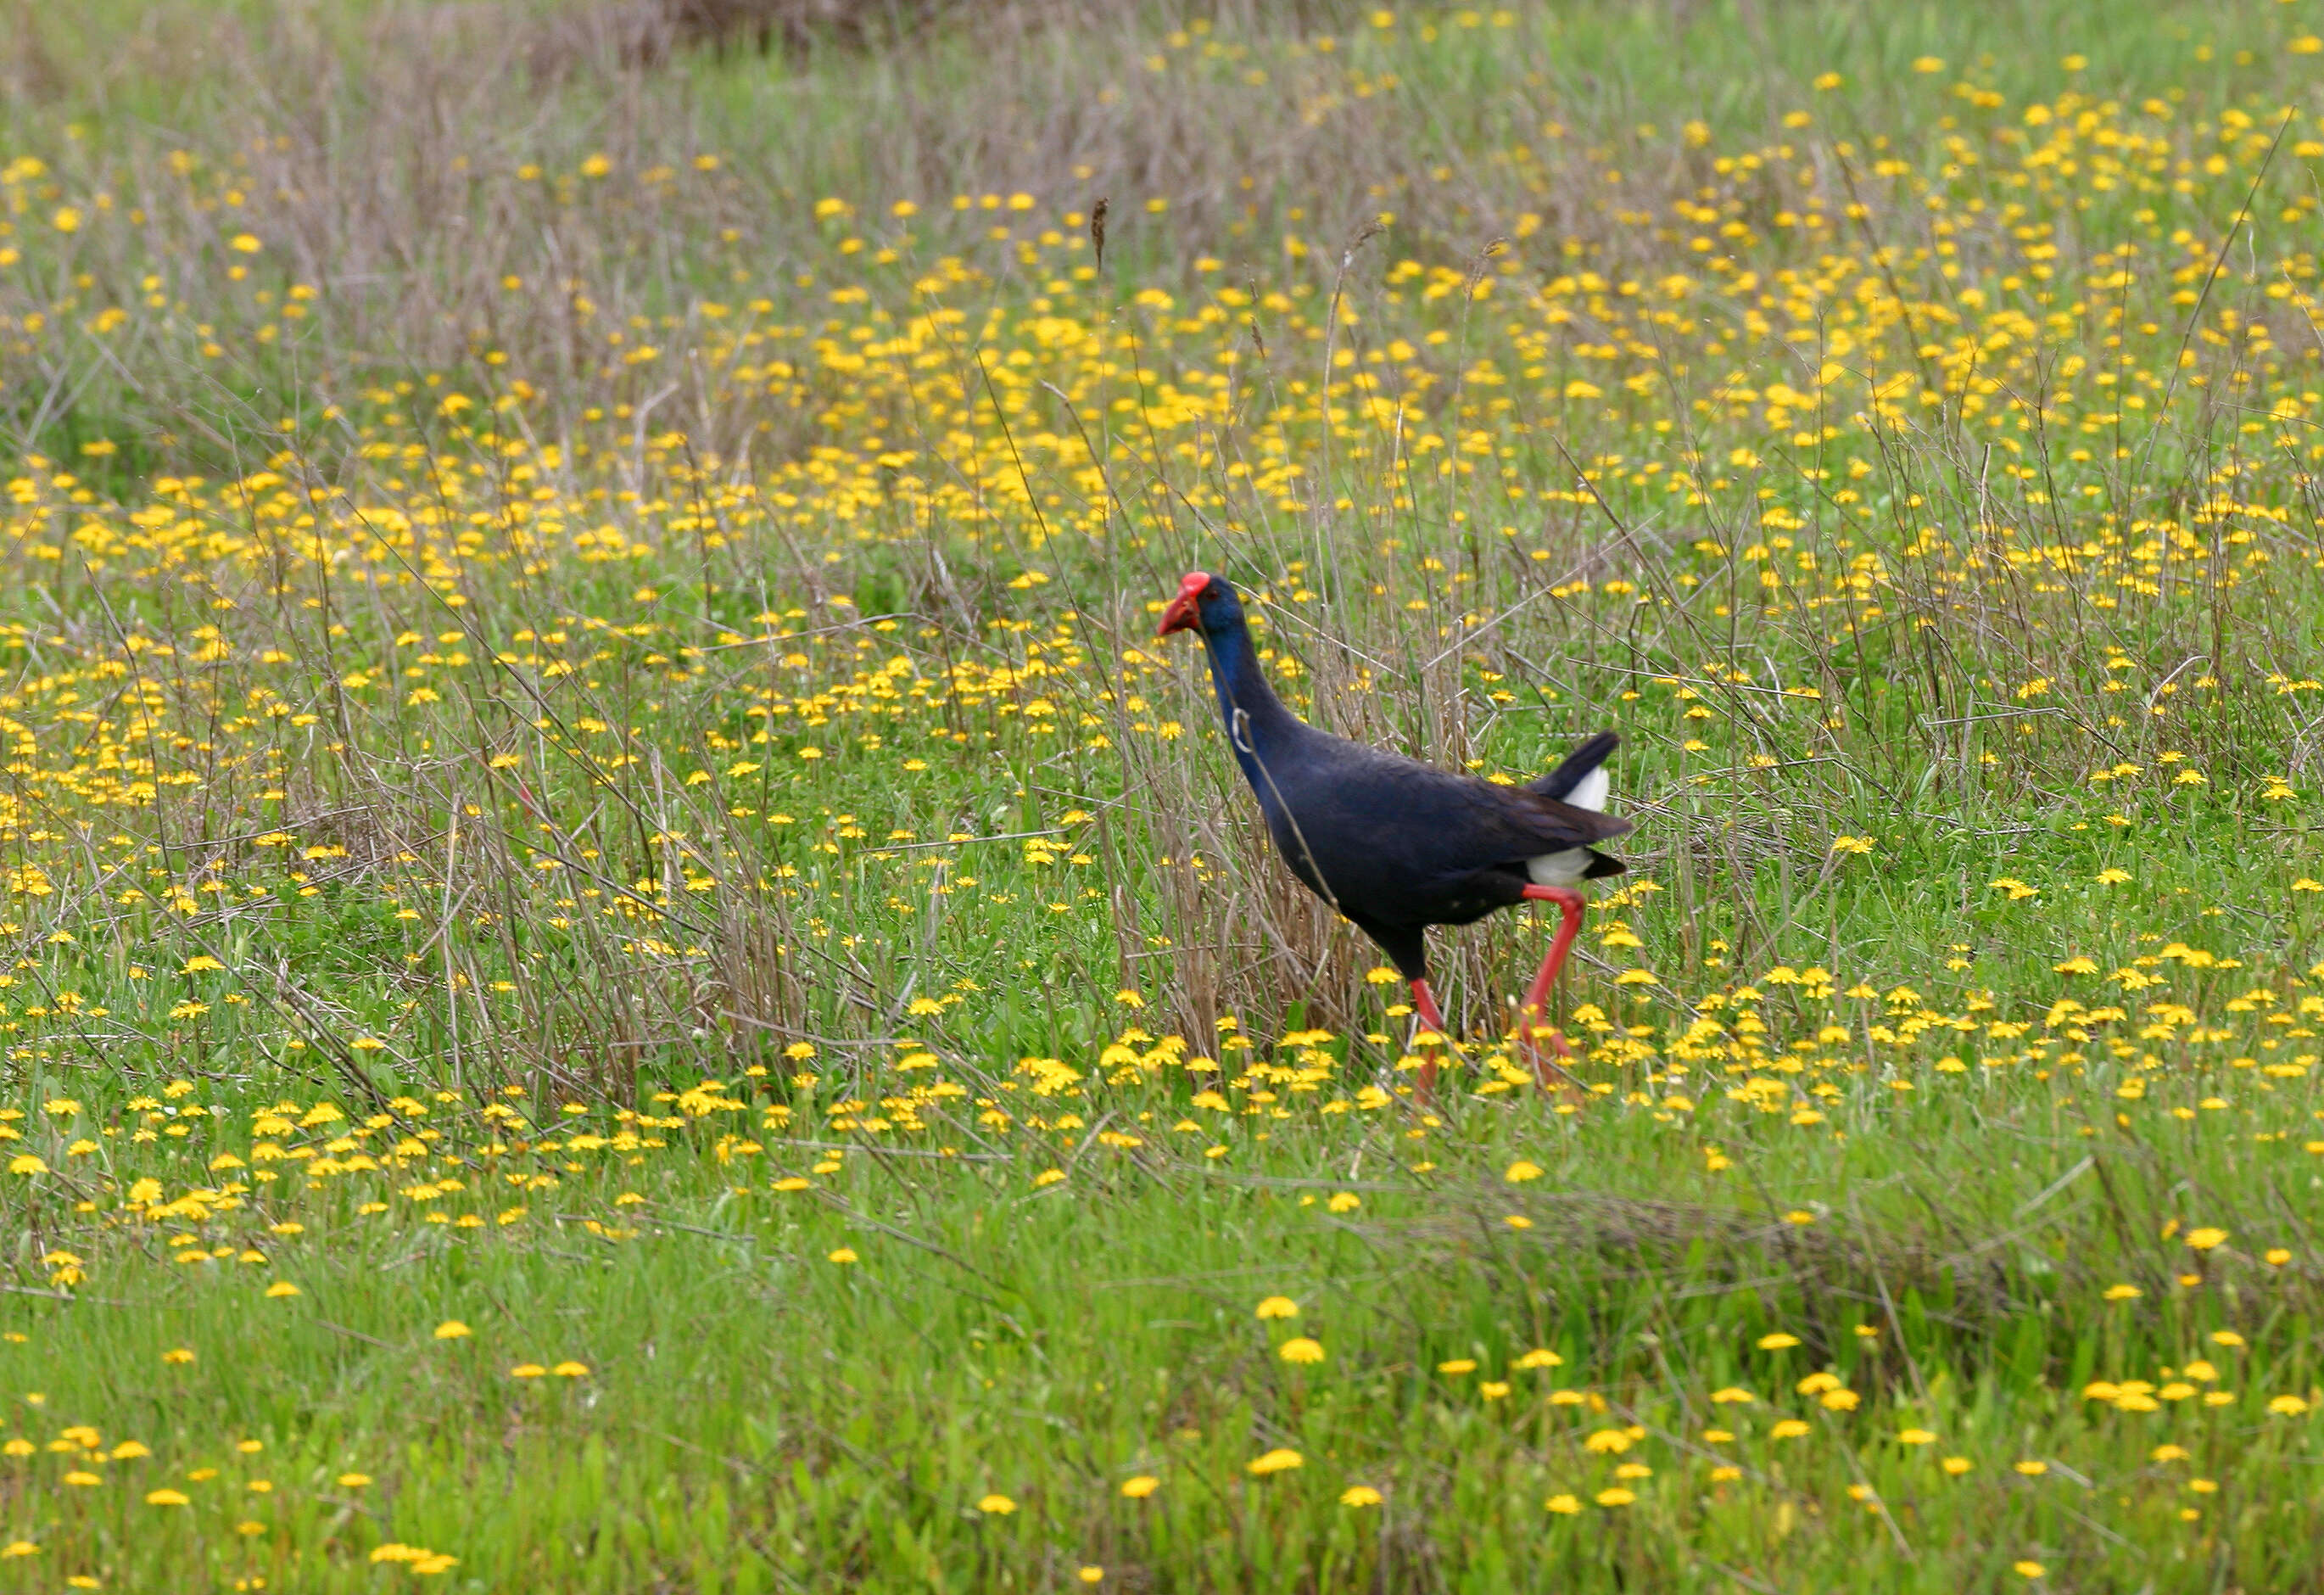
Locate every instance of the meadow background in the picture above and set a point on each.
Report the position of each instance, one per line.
(628, 970)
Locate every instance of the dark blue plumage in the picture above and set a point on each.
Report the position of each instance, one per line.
(1392, 844)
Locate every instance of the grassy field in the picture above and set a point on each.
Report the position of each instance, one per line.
(628, 969)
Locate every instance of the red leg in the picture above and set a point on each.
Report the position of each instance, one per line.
(1424, 1000)
(1536, 997)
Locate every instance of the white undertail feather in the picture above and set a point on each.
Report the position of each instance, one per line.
(1566, 869)
(1569, 868)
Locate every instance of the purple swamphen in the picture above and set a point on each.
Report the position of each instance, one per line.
(1393, 845)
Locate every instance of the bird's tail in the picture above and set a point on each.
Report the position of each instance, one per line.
(1581, 778)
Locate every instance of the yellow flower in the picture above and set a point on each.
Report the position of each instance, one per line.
(527, 1370)
(996, 1505)
(1732, 1395)
(2287, 1407)
(1521, 1170)
(452, 1329)
(1359, 1495)
(167, 1498)
(1139, 1487)
(66, 220)
(1928, 63)
(2123, 1293)
(2028, 1570)
(1915, 1437)
(25, 1163)
(1301, 1350)
(1616, 1497)
(1789, 1429)
(1539, 1357)
(1957, 1466)
(1278, 1307)
(1778, 1342)
(1048, 1177)
(571, 1371)
(842, 1254)
(1091, 1575)
(2203, 1240)
(245, 244)
(2032, 1468)
(1456, 1366)
(1280, 1459)
(353, 1481)
(281, 1288)
(1610, 1441)
(1563, 1505)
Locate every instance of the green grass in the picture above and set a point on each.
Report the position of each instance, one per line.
(566, 866)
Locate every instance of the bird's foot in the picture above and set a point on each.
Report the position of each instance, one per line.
(1536, 1044)
(1425, 1001)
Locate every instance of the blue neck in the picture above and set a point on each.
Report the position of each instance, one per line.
(1264, 729)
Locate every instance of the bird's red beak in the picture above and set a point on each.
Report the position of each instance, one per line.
(1183, 615)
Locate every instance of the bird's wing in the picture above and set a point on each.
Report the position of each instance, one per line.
(1455, 822)
(1571, 822)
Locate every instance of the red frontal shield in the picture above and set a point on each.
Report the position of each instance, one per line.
(1183, 615)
